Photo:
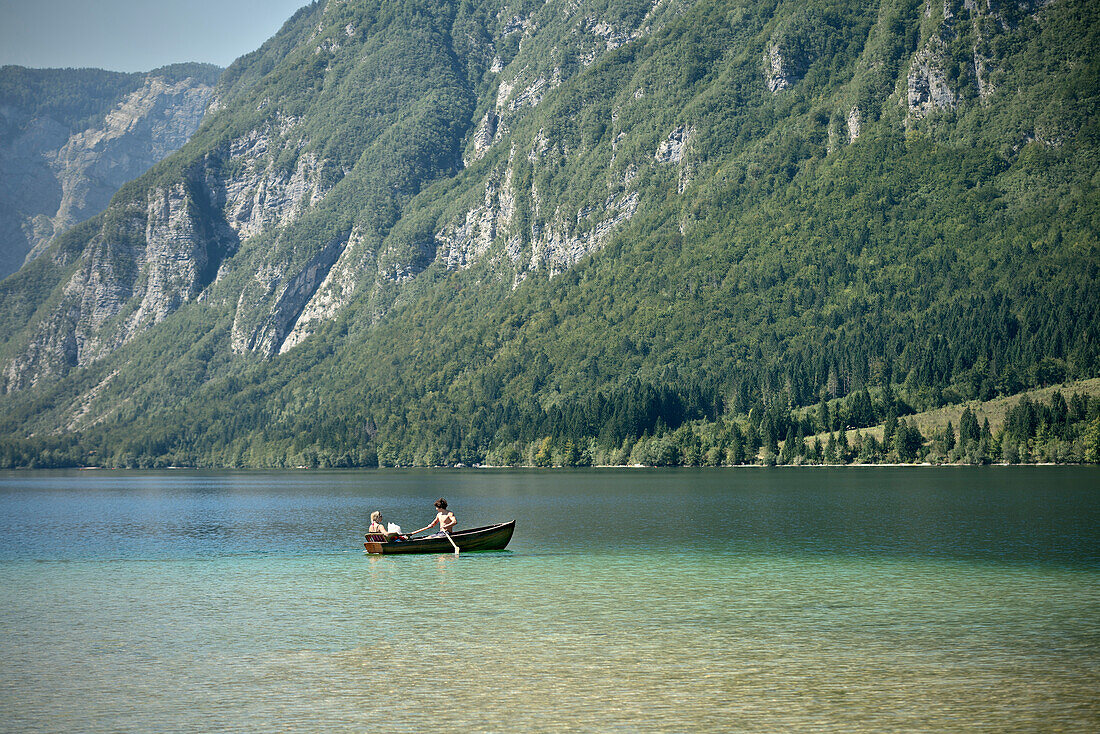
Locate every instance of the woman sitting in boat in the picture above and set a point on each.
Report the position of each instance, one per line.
(377, 527)
(443, 517)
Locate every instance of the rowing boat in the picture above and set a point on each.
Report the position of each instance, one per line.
(488, 538)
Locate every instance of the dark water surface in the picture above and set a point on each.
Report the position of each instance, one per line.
(861, 599)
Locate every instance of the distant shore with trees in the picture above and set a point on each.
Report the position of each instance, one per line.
(1058, 424)
(1036, 427)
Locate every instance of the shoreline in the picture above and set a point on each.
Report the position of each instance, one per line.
(494, 467)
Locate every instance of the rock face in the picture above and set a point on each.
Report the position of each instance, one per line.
(855, 123)
(156, 254)
(176, 258)
(671, 150)
(558, 245)
(261, 194)
(54, 178)
(269, 334)
(554, 242)
(778, 71)
(463, 242)
(968, 37)
(484, 137)
(789, 53)
(168, 246)
(333, 292)
(927, 89)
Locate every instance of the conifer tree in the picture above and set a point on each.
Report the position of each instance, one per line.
(891, 427)
(823, 416)
(968, 428)
(786, 456)
(736, 453)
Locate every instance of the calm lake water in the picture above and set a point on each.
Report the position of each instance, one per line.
(861, 599)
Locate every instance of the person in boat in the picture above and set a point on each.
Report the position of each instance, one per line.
(378, 527)
(443, 517)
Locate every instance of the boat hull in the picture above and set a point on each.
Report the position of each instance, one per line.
(489, 538)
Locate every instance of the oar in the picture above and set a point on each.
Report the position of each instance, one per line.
(452, 541)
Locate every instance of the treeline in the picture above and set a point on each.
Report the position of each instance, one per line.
(678, 430)
(1060, 431)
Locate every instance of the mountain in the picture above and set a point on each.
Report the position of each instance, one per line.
(416, 232)
(69, 138)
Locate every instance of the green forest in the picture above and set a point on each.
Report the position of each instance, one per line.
(783, 284)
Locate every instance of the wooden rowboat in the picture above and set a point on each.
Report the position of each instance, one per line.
(488, 538)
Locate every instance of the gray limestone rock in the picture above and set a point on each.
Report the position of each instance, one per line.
(855, 123)
(778, 73)
(483, 138)
(927, 89)
(671, 150)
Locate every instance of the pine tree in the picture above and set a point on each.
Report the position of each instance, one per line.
(767, 428)
(786, 456)
(908, 441)
(985, 449)
(823, 416)
(571, 455)
(889, 400)
(868, 452)
(1059, 415)
(1078, 407)
(752, 443)
(891, 427)
(736, 453)
(968, 428)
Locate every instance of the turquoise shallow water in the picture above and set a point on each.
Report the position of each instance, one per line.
(753, 600)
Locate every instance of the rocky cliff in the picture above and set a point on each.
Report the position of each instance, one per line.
(58, 171)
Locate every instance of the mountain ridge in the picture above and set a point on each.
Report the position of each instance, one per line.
(69, 138)
(710, 199)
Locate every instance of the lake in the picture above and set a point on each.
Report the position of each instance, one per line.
(839, 599)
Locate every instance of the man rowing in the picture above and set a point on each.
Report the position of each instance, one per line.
(445, 519)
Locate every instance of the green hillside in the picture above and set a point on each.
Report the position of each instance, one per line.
(577, 228)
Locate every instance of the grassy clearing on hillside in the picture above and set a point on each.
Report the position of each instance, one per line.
(995, 410)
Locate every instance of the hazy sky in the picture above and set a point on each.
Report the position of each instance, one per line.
(136, 35)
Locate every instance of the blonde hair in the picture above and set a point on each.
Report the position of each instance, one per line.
(374, 516)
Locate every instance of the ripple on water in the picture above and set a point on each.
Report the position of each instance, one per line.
(183, 628)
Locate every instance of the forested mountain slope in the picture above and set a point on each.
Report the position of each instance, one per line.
(419, 232)
(69, 138)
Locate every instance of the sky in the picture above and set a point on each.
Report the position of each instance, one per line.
(136, 35)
